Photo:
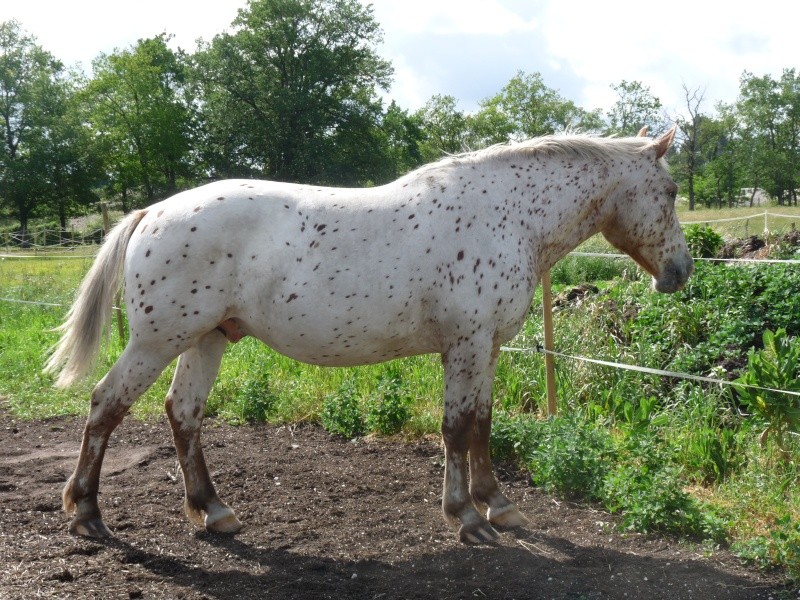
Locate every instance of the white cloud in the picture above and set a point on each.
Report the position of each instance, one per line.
(448, 17)
(78, 31)
(699, 44)
(471, 48)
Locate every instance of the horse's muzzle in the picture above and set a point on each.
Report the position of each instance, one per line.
(674, 275)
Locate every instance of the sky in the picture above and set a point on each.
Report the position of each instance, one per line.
(470, 49)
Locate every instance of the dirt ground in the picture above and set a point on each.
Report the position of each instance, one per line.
(324, 518)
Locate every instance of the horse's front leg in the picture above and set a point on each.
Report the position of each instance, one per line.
(186, 401)
(502, 513)
(468, 372)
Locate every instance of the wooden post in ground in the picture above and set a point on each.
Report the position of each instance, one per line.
(550, 372)
(119, 306)
(106, 219)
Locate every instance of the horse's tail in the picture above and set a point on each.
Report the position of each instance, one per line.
(82, 330)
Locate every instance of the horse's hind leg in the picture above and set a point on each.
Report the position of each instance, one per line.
(112, 397)
(194, 375)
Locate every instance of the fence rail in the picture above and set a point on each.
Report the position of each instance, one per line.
(49, 238)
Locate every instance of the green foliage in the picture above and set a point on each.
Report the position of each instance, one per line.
(390, 409)
(703, 241)
(575, 270)
(636, 107)
(718, 316)
(290, 93)
(255, 400)
(646, 487)
(341, 413)
(780, 547)
(571, 456)
(775, 367)
(526, 108)
(135, 103)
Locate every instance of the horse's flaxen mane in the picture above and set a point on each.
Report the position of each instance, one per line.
(579, 146)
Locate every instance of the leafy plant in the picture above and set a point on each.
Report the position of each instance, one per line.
(776, 367)
(341, 413)
(391, 408)
(572, 456)
(780, 547)
(255, 401)
(703, 241)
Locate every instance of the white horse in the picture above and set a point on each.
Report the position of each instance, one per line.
(443, 260)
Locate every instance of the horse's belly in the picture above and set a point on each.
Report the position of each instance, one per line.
(342, 346)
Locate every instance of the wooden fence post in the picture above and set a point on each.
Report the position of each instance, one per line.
(106, 219)
(550, 373)
(120, 306)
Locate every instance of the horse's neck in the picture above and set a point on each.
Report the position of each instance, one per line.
(571, 202)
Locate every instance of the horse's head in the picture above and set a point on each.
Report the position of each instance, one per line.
(643, 223)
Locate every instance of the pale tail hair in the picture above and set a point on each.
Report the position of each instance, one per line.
(82, 330)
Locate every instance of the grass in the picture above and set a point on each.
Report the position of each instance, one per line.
(749, 221)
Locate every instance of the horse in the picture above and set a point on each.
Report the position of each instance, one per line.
(443, 260)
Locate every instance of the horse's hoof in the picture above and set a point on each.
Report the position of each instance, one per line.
(507, 517)
(225, 524)
(480, 533)
(93, 528)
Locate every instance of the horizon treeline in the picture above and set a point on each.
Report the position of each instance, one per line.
(292, 92)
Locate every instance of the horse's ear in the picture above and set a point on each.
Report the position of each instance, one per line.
(663, 143)
(642, 132)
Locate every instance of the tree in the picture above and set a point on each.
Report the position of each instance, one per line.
(290, 94)
(526, 108)
(403, 137)
(770, 114)
(29, 82)
(691, 143)
(66, 161)
(789, 133)
(722, 177)
(444, 128)
(139, 114)
(636, 107)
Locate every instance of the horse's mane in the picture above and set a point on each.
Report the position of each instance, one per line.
(578, 146)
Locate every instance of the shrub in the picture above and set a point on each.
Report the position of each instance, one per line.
(388, 411)
(776, 367)
(254, 401)
(341, 413)
(703, 241)
(571, 456)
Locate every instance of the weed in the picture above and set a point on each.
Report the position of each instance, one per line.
(780, 547)
(390, 409)
(341, 413)
(571, 456)
(255, 400)
(703, 241)
(776, 367)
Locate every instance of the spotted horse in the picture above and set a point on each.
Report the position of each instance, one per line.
(444, 260)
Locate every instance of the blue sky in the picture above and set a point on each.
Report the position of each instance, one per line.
(471, 48)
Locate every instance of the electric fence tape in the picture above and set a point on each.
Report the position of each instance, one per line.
(648, 370)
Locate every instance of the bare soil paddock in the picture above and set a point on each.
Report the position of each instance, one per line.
(324, 518)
